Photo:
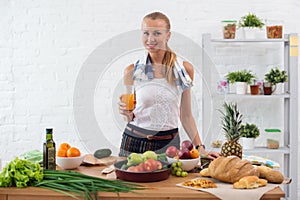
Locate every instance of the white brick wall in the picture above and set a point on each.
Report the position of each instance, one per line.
(43, 45)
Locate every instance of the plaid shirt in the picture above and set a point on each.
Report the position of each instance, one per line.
(143, 71)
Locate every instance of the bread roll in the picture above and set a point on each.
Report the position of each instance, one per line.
(230, 169)
(263, 171)
(249, 182)
(271, 175)
(275, 177)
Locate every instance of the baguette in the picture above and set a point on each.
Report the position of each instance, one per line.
(230, 169)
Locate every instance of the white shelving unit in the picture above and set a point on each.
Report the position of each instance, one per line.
(212, 100)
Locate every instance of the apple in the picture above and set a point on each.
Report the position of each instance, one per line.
(149, 154)
(184, 154)
(171, 151)
(187, 144)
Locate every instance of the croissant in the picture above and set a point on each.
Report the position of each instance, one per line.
(250, 182)
(230, 169)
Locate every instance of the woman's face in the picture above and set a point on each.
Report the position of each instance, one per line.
(155, 35)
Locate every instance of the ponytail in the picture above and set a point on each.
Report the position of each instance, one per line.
(169, 62)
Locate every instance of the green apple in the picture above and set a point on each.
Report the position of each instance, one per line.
(149, 155)
(135, 159)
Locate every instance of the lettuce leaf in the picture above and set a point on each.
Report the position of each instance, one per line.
(20, 173)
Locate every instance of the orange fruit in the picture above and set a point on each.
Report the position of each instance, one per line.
(73, 152)
(61, 153)
(64, 145)
(194, 153)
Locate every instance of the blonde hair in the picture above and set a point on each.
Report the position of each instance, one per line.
(169, 57)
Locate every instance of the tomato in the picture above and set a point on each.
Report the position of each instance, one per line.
(64, 145)
(73, 152)
(61, 153)
(133, 169)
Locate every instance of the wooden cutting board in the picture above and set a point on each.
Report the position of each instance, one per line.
(92, 160)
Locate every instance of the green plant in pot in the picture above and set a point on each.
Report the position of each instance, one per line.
(248, 134)
(249, 130)
(251, 21)
(252, 26)
(276, 77)
(241, 78)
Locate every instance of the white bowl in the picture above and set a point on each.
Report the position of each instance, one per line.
(187, 164)
(69, 162)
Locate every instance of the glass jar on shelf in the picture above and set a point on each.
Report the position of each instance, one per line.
(229, 29)
(274, 29)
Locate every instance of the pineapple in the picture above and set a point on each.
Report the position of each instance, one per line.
(232, 120)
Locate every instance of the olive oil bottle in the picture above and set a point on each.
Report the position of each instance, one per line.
(49, 151)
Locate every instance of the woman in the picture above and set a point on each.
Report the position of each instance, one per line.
(162, 86)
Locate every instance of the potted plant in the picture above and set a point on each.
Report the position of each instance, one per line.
(241, 79)
(251, 26)
(248, 134)
(277, 77)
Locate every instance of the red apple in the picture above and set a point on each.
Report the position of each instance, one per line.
(171, 151)
(187, 144)
(184, 154)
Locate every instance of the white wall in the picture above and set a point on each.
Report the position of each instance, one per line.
(44, 46)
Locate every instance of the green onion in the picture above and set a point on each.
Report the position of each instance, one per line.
(75, 184)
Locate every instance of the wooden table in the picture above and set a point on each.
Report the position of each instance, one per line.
(158, 190)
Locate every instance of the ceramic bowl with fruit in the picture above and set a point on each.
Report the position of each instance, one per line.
(68, 157)
(187, 164)
(69, 162)
(187, 155)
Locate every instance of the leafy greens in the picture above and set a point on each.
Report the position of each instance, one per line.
(20, 173)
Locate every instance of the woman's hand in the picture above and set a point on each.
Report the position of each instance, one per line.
(213, 155)
(128, 115)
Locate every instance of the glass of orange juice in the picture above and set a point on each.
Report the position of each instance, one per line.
(129, 97)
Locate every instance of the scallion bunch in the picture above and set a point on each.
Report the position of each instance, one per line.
(75, 184)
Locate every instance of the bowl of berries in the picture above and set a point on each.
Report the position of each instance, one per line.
(187, 156)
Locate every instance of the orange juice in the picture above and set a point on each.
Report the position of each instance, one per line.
(129, 100)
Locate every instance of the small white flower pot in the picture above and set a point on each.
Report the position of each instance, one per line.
(253, 33)
(279, 88)
(247, 143)
(241, 87)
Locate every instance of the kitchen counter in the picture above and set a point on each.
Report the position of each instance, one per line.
(166, 189)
